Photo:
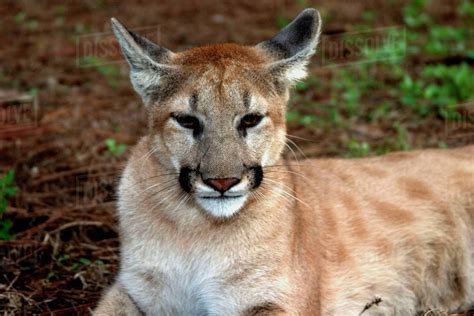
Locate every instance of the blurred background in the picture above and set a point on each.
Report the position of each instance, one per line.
(389, 75)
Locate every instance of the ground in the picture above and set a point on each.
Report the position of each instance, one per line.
(389, 75)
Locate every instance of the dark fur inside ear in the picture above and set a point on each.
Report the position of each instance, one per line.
(148, 61)
(155, 52)
(292, 47)
(296, 36)
(137, 49)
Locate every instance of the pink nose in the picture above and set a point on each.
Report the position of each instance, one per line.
(221, 185)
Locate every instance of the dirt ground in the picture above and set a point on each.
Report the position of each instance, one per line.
(63, 245)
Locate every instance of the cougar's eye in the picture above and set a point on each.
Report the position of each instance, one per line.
(250, 120)
(187, 121)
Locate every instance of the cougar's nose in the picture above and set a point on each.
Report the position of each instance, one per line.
(221, 185)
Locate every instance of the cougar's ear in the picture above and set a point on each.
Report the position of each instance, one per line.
(293, 46)
(148, 61)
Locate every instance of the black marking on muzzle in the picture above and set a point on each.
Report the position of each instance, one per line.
(185, 179)
(257, 176)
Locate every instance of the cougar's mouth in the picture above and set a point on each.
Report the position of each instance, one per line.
(222, 197)
(221, 206)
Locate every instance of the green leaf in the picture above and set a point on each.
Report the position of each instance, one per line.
(63, 258)
(8, 178)
(357, 149)
(302, 3)
(466, 8)
(85, 261)
(110, 143)
(3, 205)
(10, 191)
(282, 21)
(5, 226)
(60, 9)
(120, 149)
(20, 17)
(301, 86)
(292, 116)
(32, 24)
(307, 120)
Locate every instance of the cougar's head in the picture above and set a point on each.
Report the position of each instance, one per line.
(217, 113)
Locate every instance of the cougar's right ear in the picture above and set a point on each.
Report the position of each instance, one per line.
(148, 61)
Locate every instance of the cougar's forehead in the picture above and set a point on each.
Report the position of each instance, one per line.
(226, 74)
(221, 55)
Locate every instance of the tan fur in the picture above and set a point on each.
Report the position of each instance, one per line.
(318, 237)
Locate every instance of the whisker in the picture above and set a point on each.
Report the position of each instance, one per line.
(302, 138)
(298, 148)
(288, 197)
(258, 196)
(289, 172)
(157, 184)
(279, 194)
(255, 196)
(148, 154)
(299, 164)
(154, 194)
(160, 202)
(287, 193)
(153, 177)
(182, 200)
(291, 150)
(278, 183)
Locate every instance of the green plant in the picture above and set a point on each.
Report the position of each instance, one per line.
(369, 16)
(81, 28)
(466, 8)
(401, 140)
(379, 112)
(82, 262)
(411, 92)
(282, 21)
(301, 86)
(441, 88)
(23, 19)
(6, 190)
(301, 119)
(457, 79)
(442, 144)
(357, 149)
(394, 46)
(85, 263)
(347, 91)
(109, 71)
(448, 40)
(60, 9)
(33, 92)
(414, 14)
(114, 148)
(311, 82)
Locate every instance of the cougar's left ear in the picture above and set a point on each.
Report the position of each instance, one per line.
(293, 46)
(148, 61)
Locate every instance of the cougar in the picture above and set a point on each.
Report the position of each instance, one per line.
(213, 221)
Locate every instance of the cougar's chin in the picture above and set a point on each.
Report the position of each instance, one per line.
(222, 206)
